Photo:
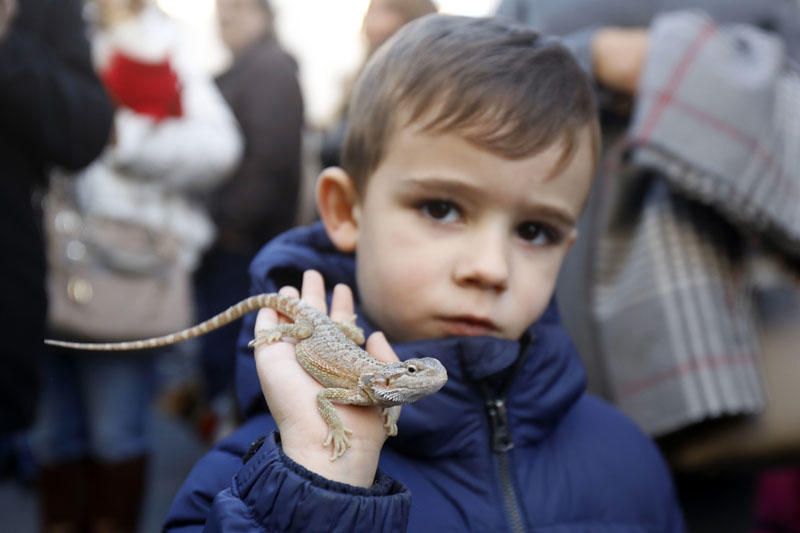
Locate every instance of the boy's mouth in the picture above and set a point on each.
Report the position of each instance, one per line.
(467, 325)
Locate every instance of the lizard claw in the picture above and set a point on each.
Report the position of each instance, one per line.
(265, 336)
(390, 416)
(339, 440)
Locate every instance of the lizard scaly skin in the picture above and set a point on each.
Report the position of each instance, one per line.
(329, 352)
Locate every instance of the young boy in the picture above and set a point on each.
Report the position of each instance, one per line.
(469, 156)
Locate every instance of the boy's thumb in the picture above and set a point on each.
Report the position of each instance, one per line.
(379, 348)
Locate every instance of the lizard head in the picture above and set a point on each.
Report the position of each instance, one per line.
(405, 381)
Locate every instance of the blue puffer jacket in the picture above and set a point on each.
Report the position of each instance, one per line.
(512, 443)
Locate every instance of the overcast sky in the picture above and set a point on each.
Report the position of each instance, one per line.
(322, 34)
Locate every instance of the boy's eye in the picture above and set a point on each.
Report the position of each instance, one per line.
(440, 210)
(537, 234)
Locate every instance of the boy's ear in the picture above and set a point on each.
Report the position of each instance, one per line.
(337, 203)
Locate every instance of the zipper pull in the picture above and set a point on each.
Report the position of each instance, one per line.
(498, 420)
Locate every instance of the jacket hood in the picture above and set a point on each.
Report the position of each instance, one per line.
(538, 377)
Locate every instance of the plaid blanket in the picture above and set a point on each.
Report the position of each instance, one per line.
(713, 154)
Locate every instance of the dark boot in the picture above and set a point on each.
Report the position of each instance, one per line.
(116, 492)
(62, 497)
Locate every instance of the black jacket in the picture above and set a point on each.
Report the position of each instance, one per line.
(259, 201)
(53, 111)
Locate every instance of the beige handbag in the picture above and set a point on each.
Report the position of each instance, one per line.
(110, 279)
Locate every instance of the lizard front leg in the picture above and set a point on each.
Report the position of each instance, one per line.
(338, 436)
(296, 330)
(390, 416)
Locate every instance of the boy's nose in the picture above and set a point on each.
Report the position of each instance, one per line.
(484, 264)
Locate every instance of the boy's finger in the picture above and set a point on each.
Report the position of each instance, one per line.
(342, 308)
(379, 348)
(313, 290)
(268, 318)
(287, 291)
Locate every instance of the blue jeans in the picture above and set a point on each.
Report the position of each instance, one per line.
(94, 405)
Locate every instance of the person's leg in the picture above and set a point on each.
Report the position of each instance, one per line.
(221, 282)
(119, 396)
(59, 446)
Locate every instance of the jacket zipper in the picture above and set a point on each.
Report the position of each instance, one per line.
(501, 445)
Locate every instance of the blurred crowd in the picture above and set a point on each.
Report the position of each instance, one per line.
(137, 188)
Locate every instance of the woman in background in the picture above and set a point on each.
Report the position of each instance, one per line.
(173, 139)
(259, 200)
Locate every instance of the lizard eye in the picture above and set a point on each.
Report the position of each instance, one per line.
(411, 369)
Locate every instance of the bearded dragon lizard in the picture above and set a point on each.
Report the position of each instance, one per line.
(329, 352)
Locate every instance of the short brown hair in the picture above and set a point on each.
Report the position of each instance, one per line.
(502, 87)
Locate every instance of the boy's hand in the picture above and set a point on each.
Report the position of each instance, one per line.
(113, 12)
(291, 394)
(618, 56)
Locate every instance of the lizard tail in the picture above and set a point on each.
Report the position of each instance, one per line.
(284, 304)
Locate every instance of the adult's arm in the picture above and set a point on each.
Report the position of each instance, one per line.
(193, 152)
(51, 100)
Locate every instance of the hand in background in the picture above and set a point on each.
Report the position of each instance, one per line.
(618, 56)
(291, 395)
(8, 8)
(113, 12)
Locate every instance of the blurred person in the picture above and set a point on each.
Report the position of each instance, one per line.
(53, 111)
(174, 138)
(384, 17)
(381, 20)
(699, 114)
(260, 199)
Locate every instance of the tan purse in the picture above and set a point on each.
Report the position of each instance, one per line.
(110, 279)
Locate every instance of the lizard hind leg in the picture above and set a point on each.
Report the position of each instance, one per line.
(351, 331)
(295, 330)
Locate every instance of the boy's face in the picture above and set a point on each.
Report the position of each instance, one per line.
(453, 240)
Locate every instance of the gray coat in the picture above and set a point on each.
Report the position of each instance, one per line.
(564, 17)
(653, 293)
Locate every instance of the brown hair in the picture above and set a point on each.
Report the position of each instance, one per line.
(503, 88)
